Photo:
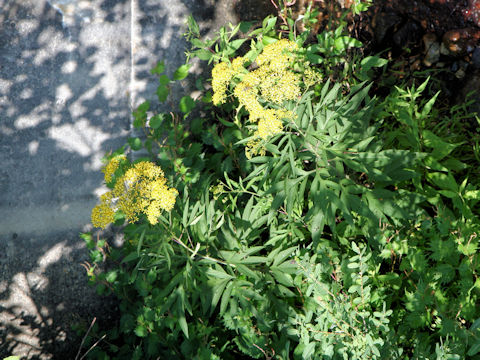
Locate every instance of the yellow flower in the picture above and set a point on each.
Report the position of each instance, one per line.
(247, 96)
(112, 166)
(279, 87)
(273, 82)
(102, 215)
(237, 64)
(278, 55)
(222, 74)
(269, 124)
(311, 77)
(141, 190)
(254, 147)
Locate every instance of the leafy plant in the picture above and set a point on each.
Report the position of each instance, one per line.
(308, 220)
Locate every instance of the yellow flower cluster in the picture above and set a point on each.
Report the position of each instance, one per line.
(311, 77)
(102, 215)
(112, 166)
(271, 124)
(278, 55)
(141, 190)
(222, 74)
(273, 81)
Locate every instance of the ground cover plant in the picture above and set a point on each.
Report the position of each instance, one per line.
(298, 215)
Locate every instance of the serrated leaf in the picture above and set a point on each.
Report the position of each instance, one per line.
(159, 68)
(226, 297)
(440, 148)
(217, 292)
(164, 80)
(443, 181)
(281, 277)
(282, 255)
(219, 274)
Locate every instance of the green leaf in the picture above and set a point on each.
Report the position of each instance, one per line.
(346, 42)
(162, 92)
(475, 349)
(245, 26)
(454, 164)
(182, 72)
(140, 331)
(182, 321)
(132, 256)
(159, 68)
(111, 276)
(318, 222)
(368, 63)
(218, 274)
(475, 325)
(269, 24)
(143, 107)
(164, 80)
(281, 277)
(203, 54)
(267, 40)
(443, 181)
(372, 61)
(186, 104)
(428, 106)
(193, 26)
(156, 121)
(282, 255)
(308, 351)
(135, 143)
(226, 297)
(217, 292)
(440, 148)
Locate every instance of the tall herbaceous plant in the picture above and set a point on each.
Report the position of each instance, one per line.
(289, 212)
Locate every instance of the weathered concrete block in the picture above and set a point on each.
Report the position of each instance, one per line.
(64, 102)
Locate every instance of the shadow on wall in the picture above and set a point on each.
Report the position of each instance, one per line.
(65, 100)
(63, 104)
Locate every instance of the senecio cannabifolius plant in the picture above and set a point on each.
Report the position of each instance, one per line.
(297, 217)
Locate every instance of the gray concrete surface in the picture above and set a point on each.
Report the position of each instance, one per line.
(70, 73)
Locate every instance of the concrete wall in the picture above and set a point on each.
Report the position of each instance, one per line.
(70, 73)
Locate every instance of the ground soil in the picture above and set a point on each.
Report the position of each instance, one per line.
(437, 38)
